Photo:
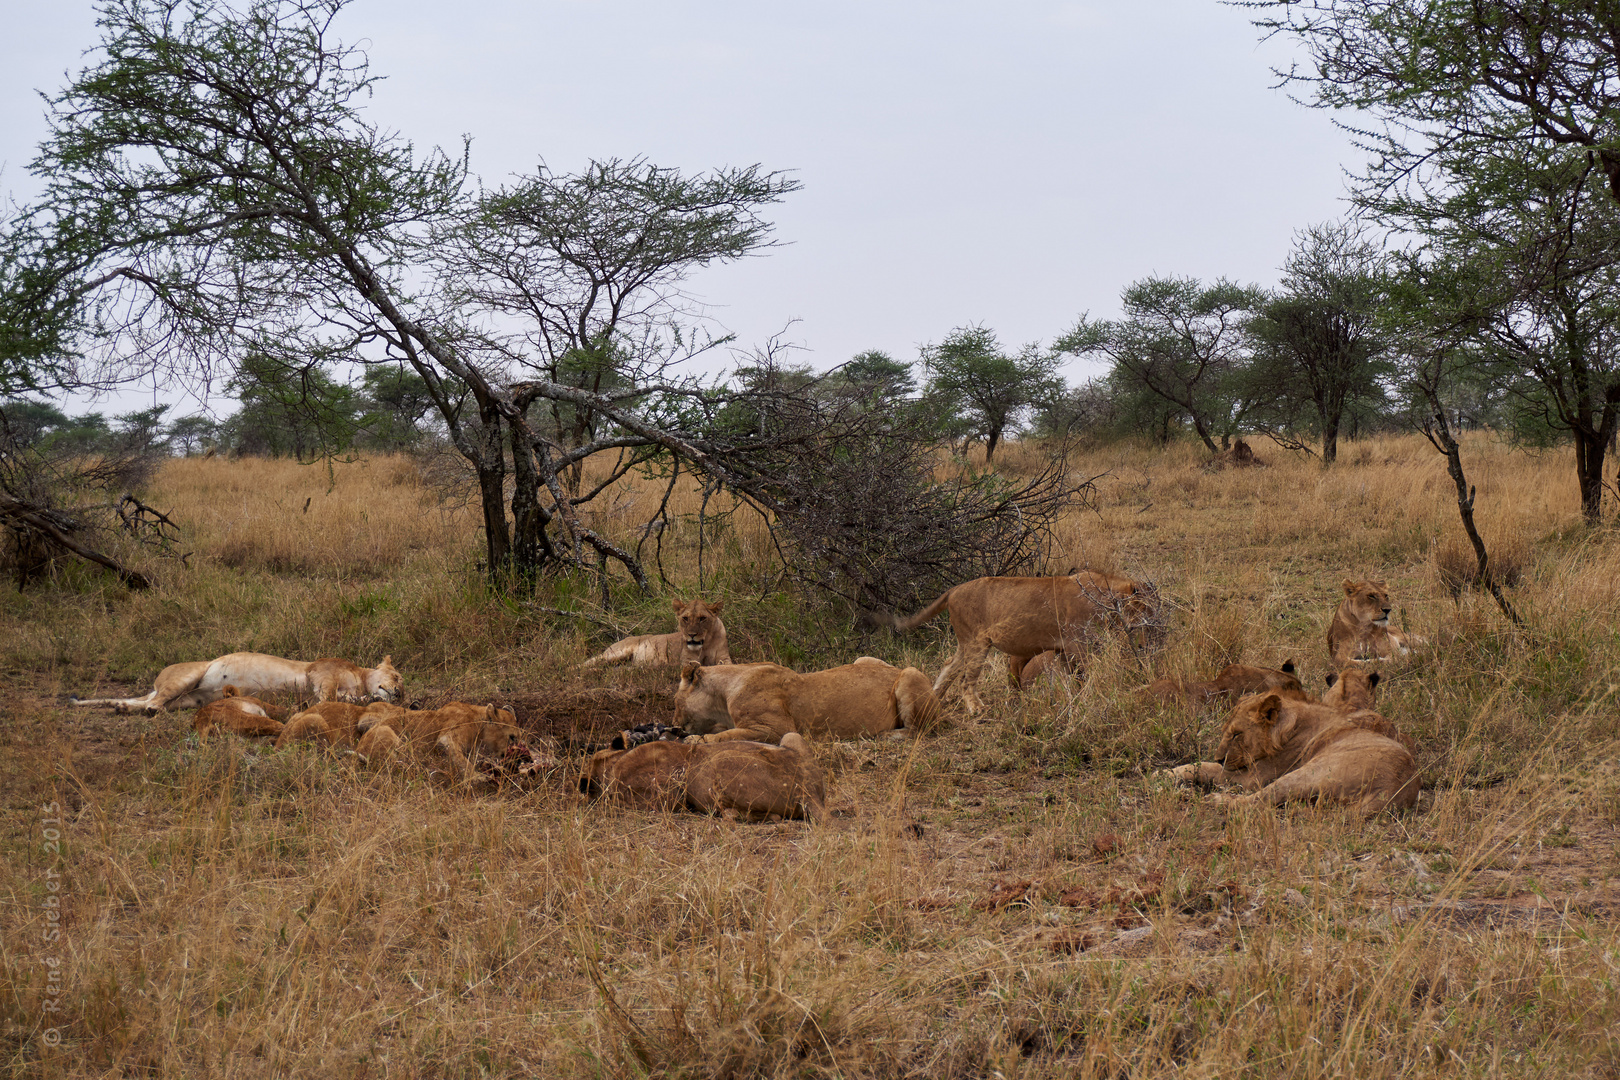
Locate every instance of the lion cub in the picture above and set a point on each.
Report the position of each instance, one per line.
(239, 714)
(746, 780)
(335, 723)
(459, 730)
(1279, 750)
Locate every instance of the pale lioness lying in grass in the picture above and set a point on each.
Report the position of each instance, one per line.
(701, 639)
(197, 682)
(1279, 749)
(763, 702)
(460, 731)
(739, 779)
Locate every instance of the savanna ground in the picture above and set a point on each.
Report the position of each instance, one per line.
(1015, 896)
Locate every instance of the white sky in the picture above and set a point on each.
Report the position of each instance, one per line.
(1013, 164)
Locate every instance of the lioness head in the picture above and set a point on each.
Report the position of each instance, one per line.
(385, 683)
(498, 731)
(700, 706)
(698, 622)
(1257, 728)
(1367, 602)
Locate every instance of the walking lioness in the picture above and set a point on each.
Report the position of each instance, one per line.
(197, 682)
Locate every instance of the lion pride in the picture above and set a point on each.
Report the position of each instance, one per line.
(197, 682)
(763, 702)
(1026, 616)
(1278, 750)
(1360, 628)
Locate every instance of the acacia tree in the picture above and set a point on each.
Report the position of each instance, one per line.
(1448, 80)
(1183, 342)
(990, 391)
(213, 192)
(1318, 335)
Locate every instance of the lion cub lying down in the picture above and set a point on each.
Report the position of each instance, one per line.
(458, 730)
(1279, 749)
(747, 780)
(335, 723)
(238, 714)
(763, 702)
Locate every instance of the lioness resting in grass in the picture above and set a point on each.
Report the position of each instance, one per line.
(739, 779)
(240, 715)
(335, 723)
(763, 702)
(458, 730)
(1279, 750)
(1360, 628)
(700, 639)
(197, 682)
(1025, 616)
(1234, 680)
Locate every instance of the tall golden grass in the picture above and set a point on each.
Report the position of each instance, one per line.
(1016, 897)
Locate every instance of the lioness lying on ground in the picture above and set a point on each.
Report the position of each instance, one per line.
(763, 702)
(1026, 616)
(1234, 681)
(458, 730)
(335, 723)
(238, 714)
(701, 639)
(1360, 628)
(1279, 750)
(197, 682)
(740, 779)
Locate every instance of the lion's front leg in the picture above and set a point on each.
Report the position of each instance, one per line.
(458, 760)
(1201, 772)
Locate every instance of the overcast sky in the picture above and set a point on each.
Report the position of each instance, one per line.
(1012, 164)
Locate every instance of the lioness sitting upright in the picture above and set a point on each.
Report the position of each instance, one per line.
(197, 682)
(1025, 616)
(743, 779)
(763, 702)
(700, 639)
(1360, 628)
(1278, 750)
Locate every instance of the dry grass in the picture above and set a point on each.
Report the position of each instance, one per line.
(1017, 897)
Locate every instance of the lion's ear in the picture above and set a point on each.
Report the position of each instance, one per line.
(1283, 729)
(1332, 678)
(716, 606)
(230, 691)
(387, 661)
(689, 672)
(678, 605)
(1266, 712)
(1349, 587)
(1372, 680)
(1288, 665)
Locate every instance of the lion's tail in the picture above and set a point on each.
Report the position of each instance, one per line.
(911, 622)
(916, 707)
